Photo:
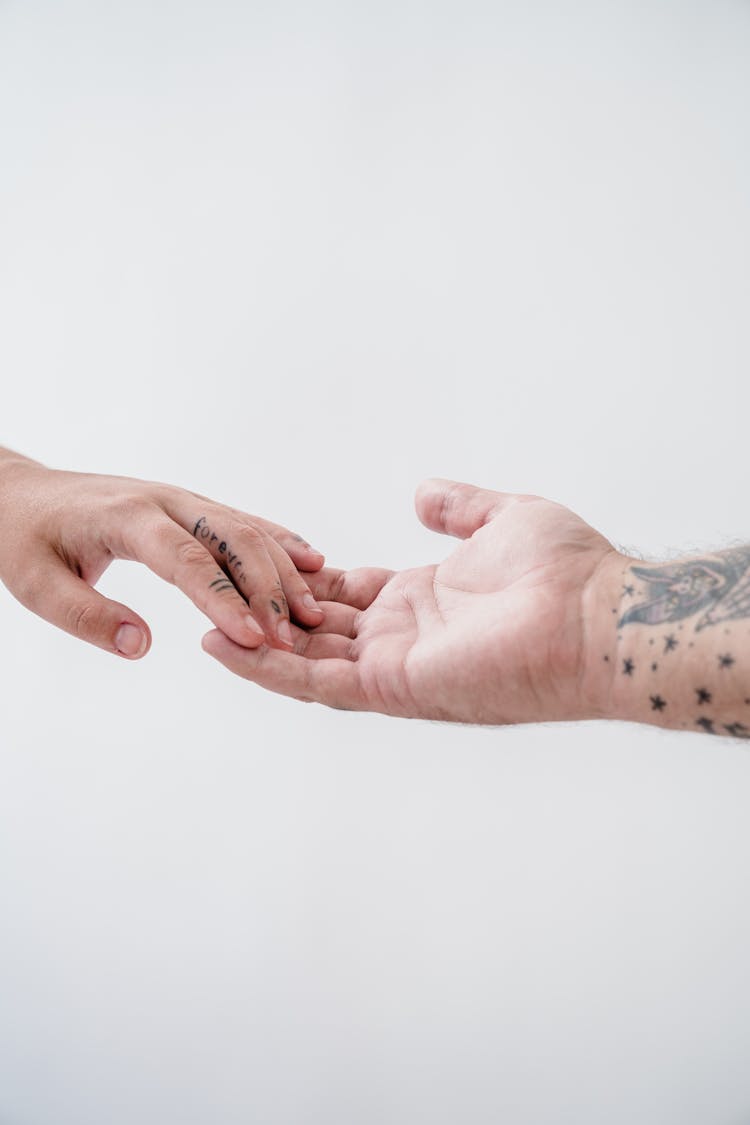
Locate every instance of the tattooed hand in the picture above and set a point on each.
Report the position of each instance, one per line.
(500, 632)
(534, 617)
(61, 531)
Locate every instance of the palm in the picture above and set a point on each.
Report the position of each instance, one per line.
(494, 634)
(483, 636)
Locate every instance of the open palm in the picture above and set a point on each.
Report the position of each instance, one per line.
(494, 634)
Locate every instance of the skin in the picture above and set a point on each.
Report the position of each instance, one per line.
(533, 617)
(494, 634)
(61, 531)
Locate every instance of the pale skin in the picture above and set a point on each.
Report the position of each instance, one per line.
(61, 530)
(533, 617)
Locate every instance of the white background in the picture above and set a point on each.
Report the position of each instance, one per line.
(298, 257)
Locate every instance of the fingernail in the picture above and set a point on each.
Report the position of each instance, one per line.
(254, 627)
(285, 633)
(130, 641)
(309, 602)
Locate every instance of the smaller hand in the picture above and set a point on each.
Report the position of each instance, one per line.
(496, 633)
(61, 531)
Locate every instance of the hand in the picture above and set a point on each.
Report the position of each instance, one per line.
(495, 634)
(61, 531)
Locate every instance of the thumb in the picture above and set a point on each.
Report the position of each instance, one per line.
(65, 600)
(457, 509)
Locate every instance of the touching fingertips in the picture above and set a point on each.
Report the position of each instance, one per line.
(310, 554)
(254, 628)
(310, 604)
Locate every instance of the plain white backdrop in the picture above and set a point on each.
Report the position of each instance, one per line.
(297, 257)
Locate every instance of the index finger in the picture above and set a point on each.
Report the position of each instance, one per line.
(174, 555)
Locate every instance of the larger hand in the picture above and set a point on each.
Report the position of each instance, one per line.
(497, 633)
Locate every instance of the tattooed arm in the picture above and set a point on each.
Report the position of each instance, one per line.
(61, 531)
(681, 654)
(533, 617)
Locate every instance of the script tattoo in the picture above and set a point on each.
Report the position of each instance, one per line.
(716, 585)
(203, 531)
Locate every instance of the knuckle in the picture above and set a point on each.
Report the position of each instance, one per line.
(251, 535)
(129, 507)
(337, 587)
(82, 620)
(452, 498)
(307, 694)
(190, 554)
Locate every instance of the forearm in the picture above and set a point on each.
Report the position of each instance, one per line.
(675, 651)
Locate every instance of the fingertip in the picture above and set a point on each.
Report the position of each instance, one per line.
(284, 634)
(132, 641)
(429, 500)
(309, 559)
(211, 641)
(309, 608)
(253, 632)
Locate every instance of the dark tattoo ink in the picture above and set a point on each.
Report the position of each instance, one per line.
(275, 606)
(705, 724)
(703, 694)
(627, 667)
(725, 660)
(204, 532)
(718, 585)
(737, 730)
(657, 703)
(670, 643)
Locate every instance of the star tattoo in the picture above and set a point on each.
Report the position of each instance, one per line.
(704, 696)
(725, 660)
(670, 643)
(628, 591)
(627, 667)
(657, 703)
(737, 730)
(706, 724)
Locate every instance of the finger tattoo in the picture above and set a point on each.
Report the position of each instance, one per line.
(205, 533)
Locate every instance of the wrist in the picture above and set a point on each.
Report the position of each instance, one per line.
(601, 607)
(666, 642)
(12, 466)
